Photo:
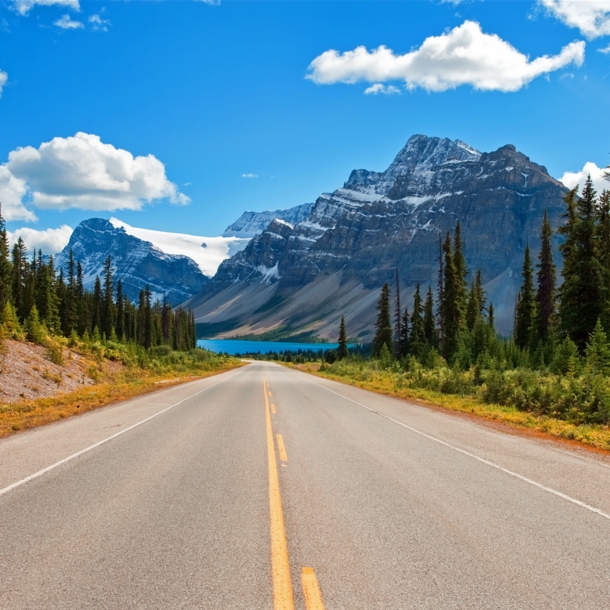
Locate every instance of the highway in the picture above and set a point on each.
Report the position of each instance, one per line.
(267, 488)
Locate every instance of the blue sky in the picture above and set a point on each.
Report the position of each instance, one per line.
(217, 92)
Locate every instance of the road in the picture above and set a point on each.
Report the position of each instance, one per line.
(188, 498)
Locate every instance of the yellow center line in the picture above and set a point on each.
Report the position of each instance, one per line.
(273, 409)
(311, 590)
(280, 566)
(281, 448)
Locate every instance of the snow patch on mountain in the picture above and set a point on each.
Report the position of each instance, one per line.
(250, 224)
(207, 252)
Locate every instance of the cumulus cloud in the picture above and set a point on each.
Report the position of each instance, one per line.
(3, 79)
(605, 50)
(571, 179)
(66, 23)
(23, 7)
(82, 172)
(50, 241)
(98, 23)
(249, 175)
(462, 56)
(12, 192)
(378, 89)
(591, 17)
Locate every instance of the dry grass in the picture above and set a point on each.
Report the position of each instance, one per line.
(115, 388)
(590, 436)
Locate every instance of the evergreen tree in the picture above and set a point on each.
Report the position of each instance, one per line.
(383, 325)
(166, 321)
(582, 292)
(97, 304)
(603, 238)
(598, 351)
(19, 267)
(108, 308)
(441, 290)
(545, 294)
(417, 338)
(405, 331)
(342, 350)
(147, 318)
(430, 333)
(120, 311)
(524, 310)
(453, 305)
(397, 318)
(5, 265)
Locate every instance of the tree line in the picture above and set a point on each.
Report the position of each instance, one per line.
(35, 295)
(553, 323)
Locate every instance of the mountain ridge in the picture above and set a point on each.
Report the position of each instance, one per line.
(381, 221)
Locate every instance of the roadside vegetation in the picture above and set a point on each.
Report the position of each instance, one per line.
(123, 349)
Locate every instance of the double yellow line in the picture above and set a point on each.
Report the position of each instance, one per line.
(283, 598)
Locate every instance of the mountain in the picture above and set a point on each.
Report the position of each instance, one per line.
(299, 278)
(250, 224)
(136, 261)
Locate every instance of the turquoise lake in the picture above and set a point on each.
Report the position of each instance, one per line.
(235, 346)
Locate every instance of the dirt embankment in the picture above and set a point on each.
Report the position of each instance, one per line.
(27, 372)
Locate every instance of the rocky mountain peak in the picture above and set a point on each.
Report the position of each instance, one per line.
(413, 163)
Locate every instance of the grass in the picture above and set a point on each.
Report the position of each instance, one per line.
(110, 389)
(384, 382)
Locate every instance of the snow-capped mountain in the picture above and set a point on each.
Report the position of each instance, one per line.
(207, 252)
(135, 261)
(250, 224)
(301, 277)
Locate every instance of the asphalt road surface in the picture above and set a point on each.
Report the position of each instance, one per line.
(269, 488)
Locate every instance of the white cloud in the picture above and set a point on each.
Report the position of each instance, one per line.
(249, 175)
(3, 79)
(12, 191)
(571, 179)
(591, 17)
(378, 88)
(23, 7)
(50, 241)
(605, 50)
(66, 23)
(462, 56)
(98, 23)
(82, 172)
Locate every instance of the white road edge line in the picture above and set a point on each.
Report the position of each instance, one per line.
(103, 441)
(559, 494)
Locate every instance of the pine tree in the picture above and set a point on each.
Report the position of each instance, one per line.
(342, 350)
(5, 265)
(397, 318)
(545, 294)
(148, 327)
(441, 290)
(417, 338)
(120, 311)
(430, 332)
(461, 272)
(603, 237)
(524, 310)
(97, 305)
(19, 267)
(405, 331)
(582, 292)
(453, 305)
(383, 325)
(108, 308)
